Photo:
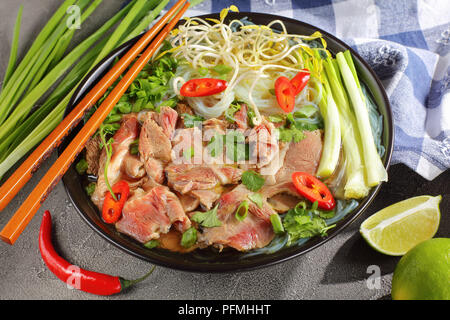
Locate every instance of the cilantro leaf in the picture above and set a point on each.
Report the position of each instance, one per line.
(207, 219)
(252, 180)
(90, 188)
(257, 199)
(82, 166)
(190, 120)
(290, 134)
(151, 244)
(189, 237)
(232, 109)
(303, 222)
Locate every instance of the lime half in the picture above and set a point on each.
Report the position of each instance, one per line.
(396, 229)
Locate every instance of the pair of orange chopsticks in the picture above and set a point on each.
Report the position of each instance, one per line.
(20, 177)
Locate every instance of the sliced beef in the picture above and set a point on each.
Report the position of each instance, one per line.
(167, 119)
(282, 196)
(255, 231)
(263, 143)
(182, 107)
(301, 156)
(185, 141)
(148, 214)
(172, 241)
(241, 117)
(188, 202)
(123, 138)
(283, 202)
(207, 197)
(154, 148)
(201, 181)
(133, 166)
(212, 126)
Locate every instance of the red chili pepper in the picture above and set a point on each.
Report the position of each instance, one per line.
(84, 280)
(203, 87)
(314, 190)
(285, 93)
(112, 209)
(300, 80)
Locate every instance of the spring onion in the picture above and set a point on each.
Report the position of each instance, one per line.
(355, 185)
(241, 211)
(14, 46)
(332, 136)
(21, 132)
(375, 171)
(277, 225)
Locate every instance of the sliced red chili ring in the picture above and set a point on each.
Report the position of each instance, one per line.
(314, 190)
(203, 87)
(300, 80)
(285, 93)
(112, 209)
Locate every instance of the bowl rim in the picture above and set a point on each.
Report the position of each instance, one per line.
(300, 250)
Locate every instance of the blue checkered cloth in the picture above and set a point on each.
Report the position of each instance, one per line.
(407, 43)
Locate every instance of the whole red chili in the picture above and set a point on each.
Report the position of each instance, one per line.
(203, 87)
(112, 209)
(87, 281)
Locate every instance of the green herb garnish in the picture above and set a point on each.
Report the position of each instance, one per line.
(276, 118)
(207, 219)
(151, 244)
(252, 180)
(232, 109)
(82, 166)
(257, 199)
(190, 120)
(90, 188)
(242, 210)
(303, 222)
(189, 237)
(290, 134)
(277, 225)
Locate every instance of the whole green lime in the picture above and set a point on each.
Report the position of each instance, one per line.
(423, 273)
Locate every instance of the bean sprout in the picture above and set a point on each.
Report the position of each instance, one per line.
(257, 55)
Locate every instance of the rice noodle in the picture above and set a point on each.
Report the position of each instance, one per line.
(257, 55)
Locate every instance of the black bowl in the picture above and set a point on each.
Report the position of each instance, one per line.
(230, 260)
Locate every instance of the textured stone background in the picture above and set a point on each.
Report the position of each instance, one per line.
(336, 270)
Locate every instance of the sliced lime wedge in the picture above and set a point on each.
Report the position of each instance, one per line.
(396, 229)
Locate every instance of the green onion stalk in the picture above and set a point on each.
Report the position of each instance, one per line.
(374, 168)
(21, 131)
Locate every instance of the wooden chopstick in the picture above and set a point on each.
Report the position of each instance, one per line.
(21, 176)
(25, 213)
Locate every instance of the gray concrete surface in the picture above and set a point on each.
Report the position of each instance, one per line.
(336, 270)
